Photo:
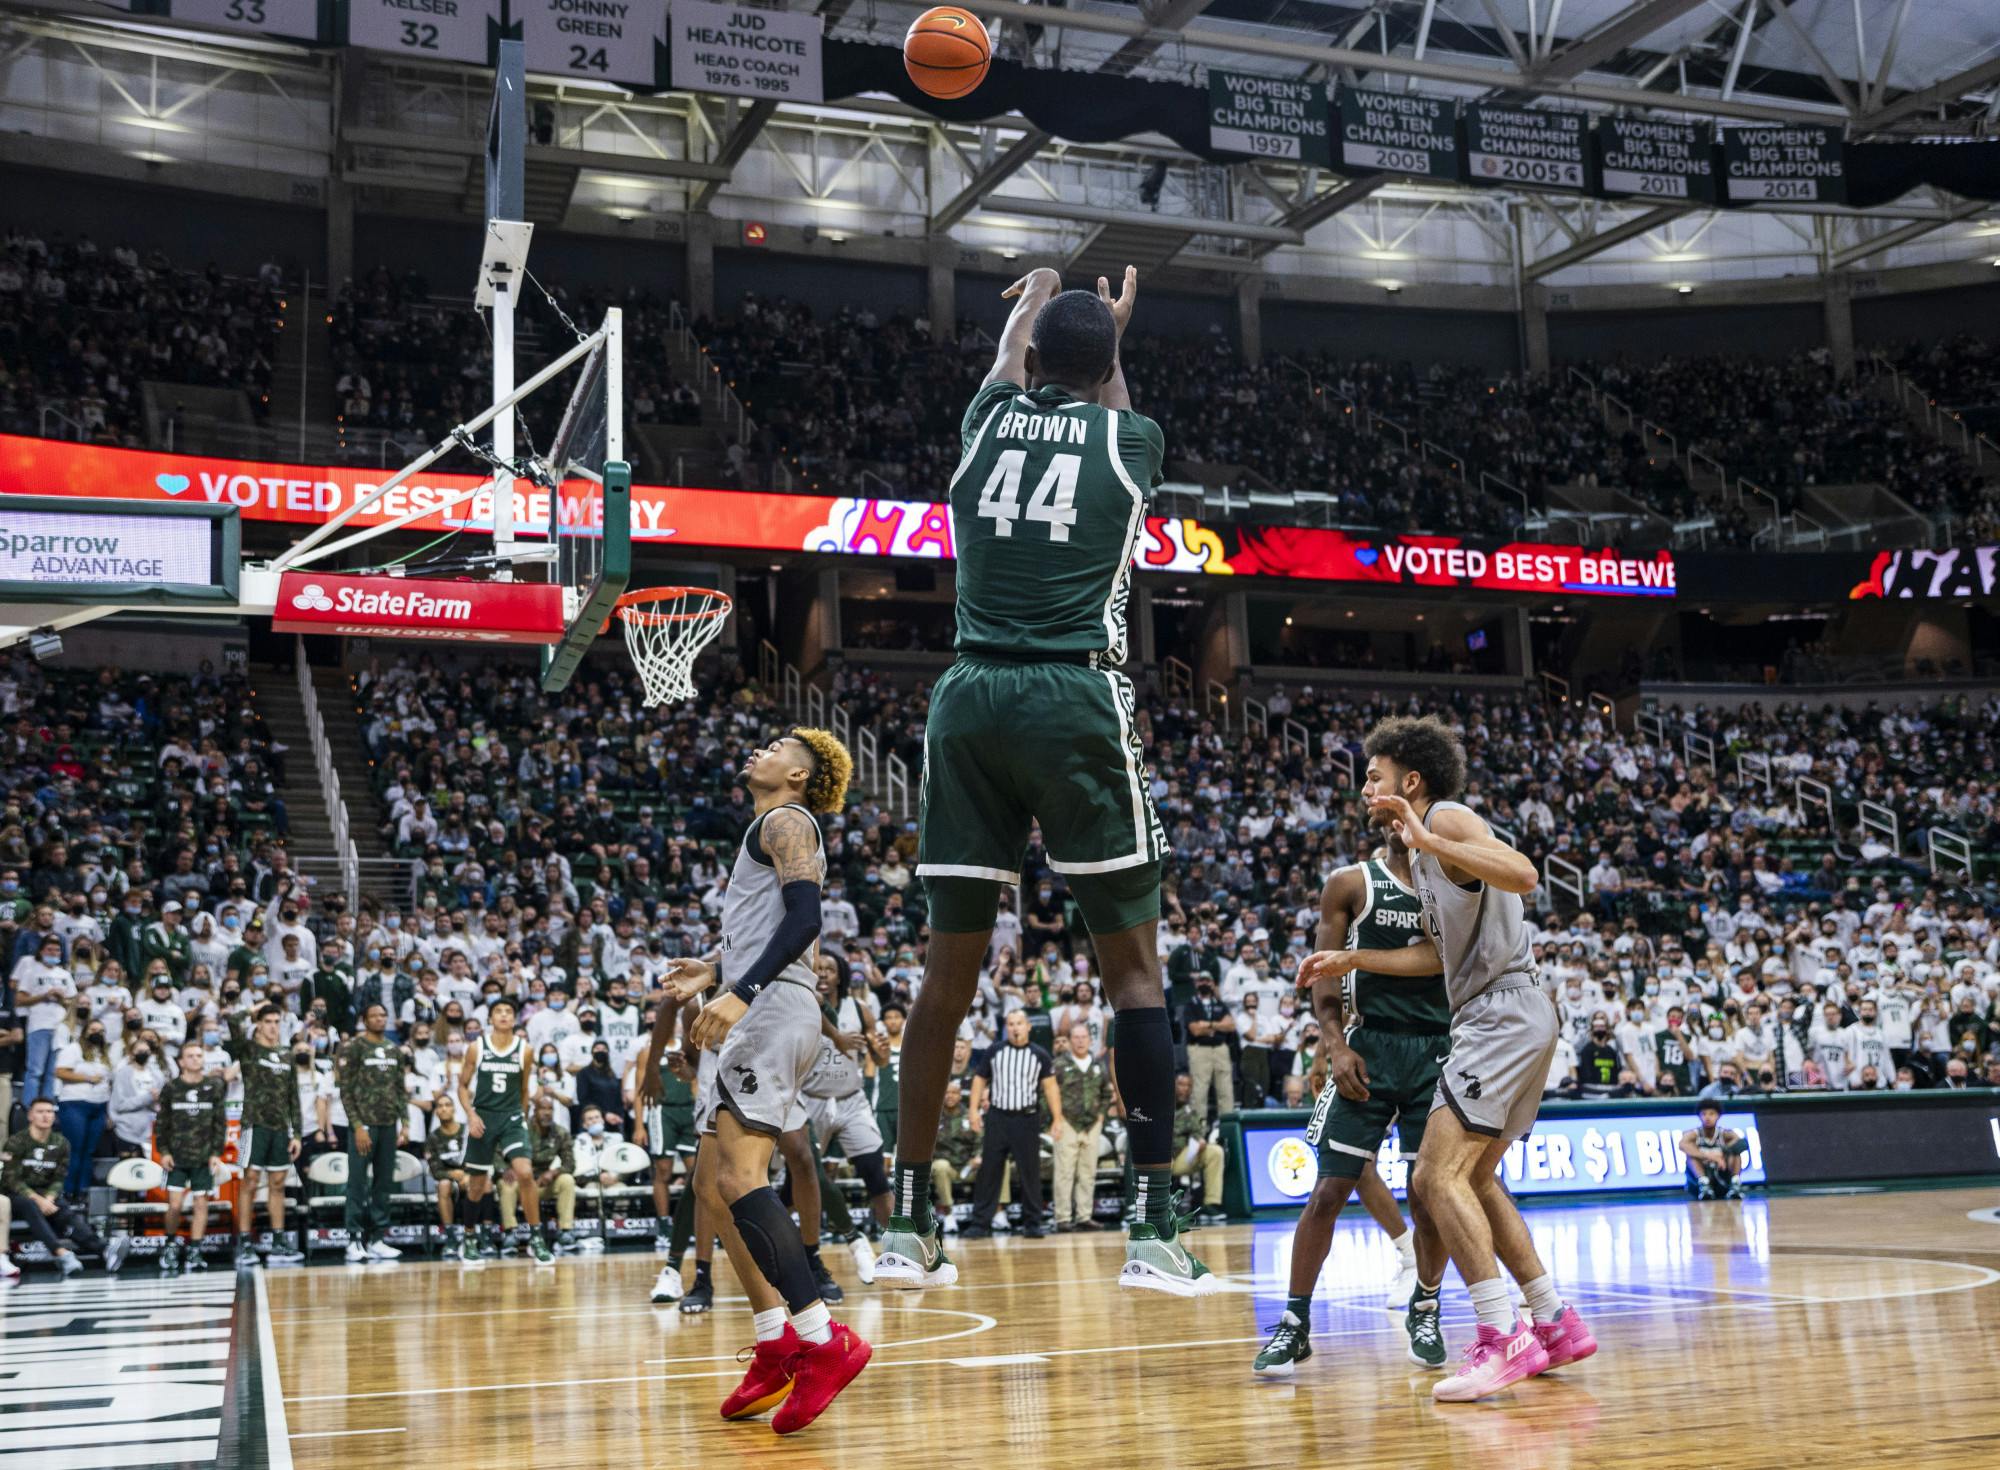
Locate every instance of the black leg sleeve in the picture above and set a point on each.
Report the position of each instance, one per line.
(773, 1242)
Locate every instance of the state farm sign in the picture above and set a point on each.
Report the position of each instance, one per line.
(400, 607)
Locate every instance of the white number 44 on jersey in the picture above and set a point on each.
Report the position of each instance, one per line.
(1053, 500)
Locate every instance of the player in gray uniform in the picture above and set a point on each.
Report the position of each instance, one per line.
(1503, 1033)
(765, 1031)
(840, 1112)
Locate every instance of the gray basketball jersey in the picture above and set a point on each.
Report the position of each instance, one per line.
(835, 1074)
(755, 904)
(1481, 934)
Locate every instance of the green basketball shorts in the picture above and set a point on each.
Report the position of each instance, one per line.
(1403, 1072)
(1009, 745)
(265, 1148)
(505, 1140)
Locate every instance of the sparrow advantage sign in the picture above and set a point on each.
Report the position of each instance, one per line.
(824, 524)
(54, 550)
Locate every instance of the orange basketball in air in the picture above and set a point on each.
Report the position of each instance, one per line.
(946, 52)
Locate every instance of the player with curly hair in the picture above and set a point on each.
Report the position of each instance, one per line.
(1503, 1033)
(765, 1029)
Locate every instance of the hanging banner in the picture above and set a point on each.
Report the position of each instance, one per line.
(1518, 145)
(1269, 117)
(603, 40)
(1399, 133)
(298, 19)
(1656, 160)
(437, 30)
(1798, 165)
(746, 53)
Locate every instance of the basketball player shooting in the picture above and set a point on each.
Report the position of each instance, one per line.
(765, 1031)
(1034, 722)
(1503, 1033)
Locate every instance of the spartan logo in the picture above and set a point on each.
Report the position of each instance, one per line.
(746, 1081)
(1471, 1087)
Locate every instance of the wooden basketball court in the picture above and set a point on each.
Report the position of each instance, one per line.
(1837, 1329)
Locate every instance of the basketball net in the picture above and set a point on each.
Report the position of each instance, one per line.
(666, 628)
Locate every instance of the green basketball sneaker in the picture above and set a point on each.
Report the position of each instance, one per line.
(539, 1248)
(469, 1253)
(1426, 1334)
(910, 1259)
(1289, 1344)
(1162, 1262)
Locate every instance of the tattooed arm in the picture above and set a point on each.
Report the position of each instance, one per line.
(791, 842)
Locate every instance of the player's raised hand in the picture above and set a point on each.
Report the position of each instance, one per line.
(687, 978)
(1403, 817)
(1051, 282)
(1128, 297)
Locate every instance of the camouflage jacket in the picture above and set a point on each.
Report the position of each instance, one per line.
(194, 1121)
(371, 1083)
(1083, 1089)
(26, 1165)
(551, 1146)
(1190, 1125)
(956, 1142)
(270, 1088)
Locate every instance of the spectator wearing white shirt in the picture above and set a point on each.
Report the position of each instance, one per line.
(1830, 1048)
(42, 986)
(83, 1099)
(1868, 1044)
(281, 918)
(553, 1021)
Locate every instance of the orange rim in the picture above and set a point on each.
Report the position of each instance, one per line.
(631, 608)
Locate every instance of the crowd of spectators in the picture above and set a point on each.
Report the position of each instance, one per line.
(83, 326)
(564, 849)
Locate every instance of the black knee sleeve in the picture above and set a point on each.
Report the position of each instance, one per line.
(874, 1177)
(1146, 1083)
(773, 1242)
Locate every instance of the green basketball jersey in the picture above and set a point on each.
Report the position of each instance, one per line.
(1046, 510)
(496, 1081)
(676, 1096)
(1392, 916)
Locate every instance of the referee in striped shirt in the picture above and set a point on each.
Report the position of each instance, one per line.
(1003, 1109)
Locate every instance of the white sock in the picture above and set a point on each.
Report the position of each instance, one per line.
(814, 1324)
(1544, 1303)
(1494, 1304)
(770, 1325)
(1406, 1247)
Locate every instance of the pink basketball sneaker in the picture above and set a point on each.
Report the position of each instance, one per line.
(1565, 1340)
(1494, 1360)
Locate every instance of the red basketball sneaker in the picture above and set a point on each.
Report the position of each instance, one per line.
(819, 1372)
(769, 1378)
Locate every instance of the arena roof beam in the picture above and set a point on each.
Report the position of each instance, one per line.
(1164, 15)
(748, 126)
(1621, 32)
(1949, 90)
(1324, 208)
(1204, 38)
(989, 178)
(1181, 224)
(1603, 240)
(1904, 234)
(1781, 10)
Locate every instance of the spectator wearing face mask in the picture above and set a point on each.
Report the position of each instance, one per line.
(1210, 1029)
(593, 1143)
(43, 990)
(83, 1100)
(552, 1078)
(552, 1156)
(1599, 1062)
(135, 1094)
(553, 1022)
(599, 1086)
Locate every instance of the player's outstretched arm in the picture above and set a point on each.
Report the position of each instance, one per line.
(1029, 295)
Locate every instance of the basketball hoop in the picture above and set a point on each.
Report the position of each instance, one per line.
(666, 628)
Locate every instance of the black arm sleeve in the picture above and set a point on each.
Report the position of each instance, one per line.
(795, 935)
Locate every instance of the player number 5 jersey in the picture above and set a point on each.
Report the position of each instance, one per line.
(1046, 511)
